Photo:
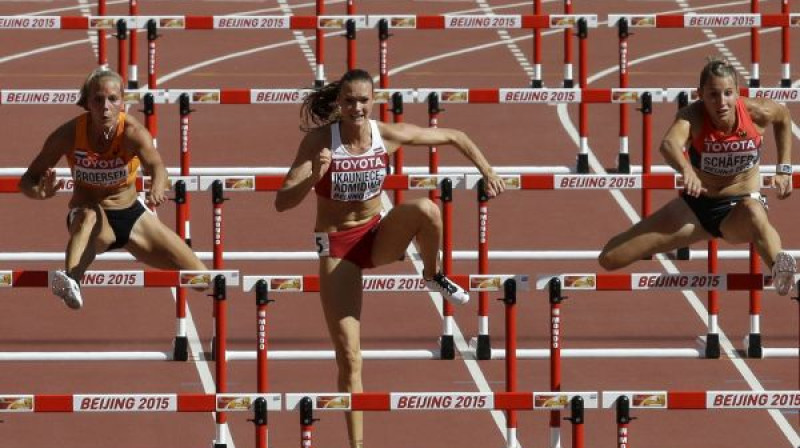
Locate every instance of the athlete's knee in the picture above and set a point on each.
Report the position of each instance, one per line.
(82, 217)
(610, 257)
(349, 361)
(429, 210)
(753, 215)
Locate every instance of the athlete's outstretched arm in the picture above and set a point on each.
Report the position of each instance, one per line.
(409, 134)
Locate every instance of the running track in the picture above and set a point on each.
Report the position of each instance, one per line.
(512, 135)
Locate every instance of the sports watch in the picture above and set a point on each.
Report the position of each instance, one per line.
(783, 168)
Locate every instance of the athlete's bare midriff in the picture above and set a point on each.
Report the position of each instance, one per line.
(107, 198)
(333, 215)
(723, 186)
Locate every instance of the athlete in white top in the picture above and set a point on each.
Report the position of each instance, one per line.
(350, 234)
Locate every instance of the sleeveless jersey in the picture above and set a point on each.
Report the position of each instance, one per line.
(113, 168)
(354, 177)
(716, 153)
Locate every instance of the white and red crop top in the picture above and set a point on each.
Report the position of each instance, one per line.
(721, 154)
(354, 177)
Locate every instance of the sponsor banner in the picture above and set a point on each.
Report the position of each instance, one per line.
(322, 401)
(561, 400)
(495, 282)
(794, 20)
(512, 181)
(285, 284)
(445, 95)
(6, 279)
(240, 402)
(110, 22)
(251, 22)
(634, 21)
(571, 20)
(671, 94)
(432, 181)
(137, 96)
(775, 94)
(394, 283)
(278, 96)
(596, 182)
(229, 183)
(721, 20)
(626, 95)
(125, 403)
(385, 95)
(543, 96)
(16, 403)
(204, 279)
(39, 97)
(202, 96)
(487, 22)
(578, 281)
(397, 21)
(192, 182)
(162, 22)
(423, 401)
(30, 22)
(113, 278)
(678, 281)
(638, 399)
(340, 22)
(789, 399)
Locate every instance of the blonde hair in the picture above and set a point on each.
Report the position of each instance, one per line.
(93, 80)
(718, 67)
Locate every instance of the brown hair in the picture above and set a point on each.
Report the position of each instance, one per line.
(93, 80)
(718, 68)
(320, 108)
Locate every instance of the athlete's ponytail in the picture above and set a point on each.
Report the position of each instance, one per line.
(719, 68)
(320, 108)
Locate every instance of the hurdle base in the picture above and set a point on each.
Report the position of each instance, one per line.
(133, 85)
(683, 253)
(712, 346)
(181, 349)
(624, 163)
(220, 445)
(583, 164)
(752, 344)
(447, 347)
(569, 83)
(483, 349)
(786, 83)
(538, 84)
(754, 83)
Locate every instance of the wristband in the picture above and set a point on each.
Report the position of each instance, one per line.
(783, 168)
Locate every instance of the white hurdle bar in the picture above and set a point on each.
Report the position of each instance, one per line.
(461, 255)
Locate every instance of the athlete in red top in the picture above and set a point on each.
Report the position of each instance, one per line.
(344, 156)
(104, 148)
(721, 178)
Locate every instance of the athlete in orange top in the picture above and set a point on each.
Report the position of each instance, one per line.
(104, 148)
(721, 178)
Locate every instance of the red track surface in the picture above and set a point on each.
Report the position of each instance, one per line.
(267, 136)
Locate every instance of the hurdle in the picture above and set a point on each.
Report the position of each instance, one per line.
(307, 403)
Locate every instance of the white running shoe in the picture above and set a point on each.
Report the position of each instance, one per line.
(449, 289)
(783, 271)
(68, 289)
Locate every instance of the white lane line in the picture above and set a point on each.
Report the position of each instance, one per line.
(301, 38)
(86, 10)
(511, 44)
(478, 378)
(712, 36)
(197, 356)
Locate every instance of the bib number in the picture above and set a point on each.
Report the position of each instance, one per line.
(323, 244)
